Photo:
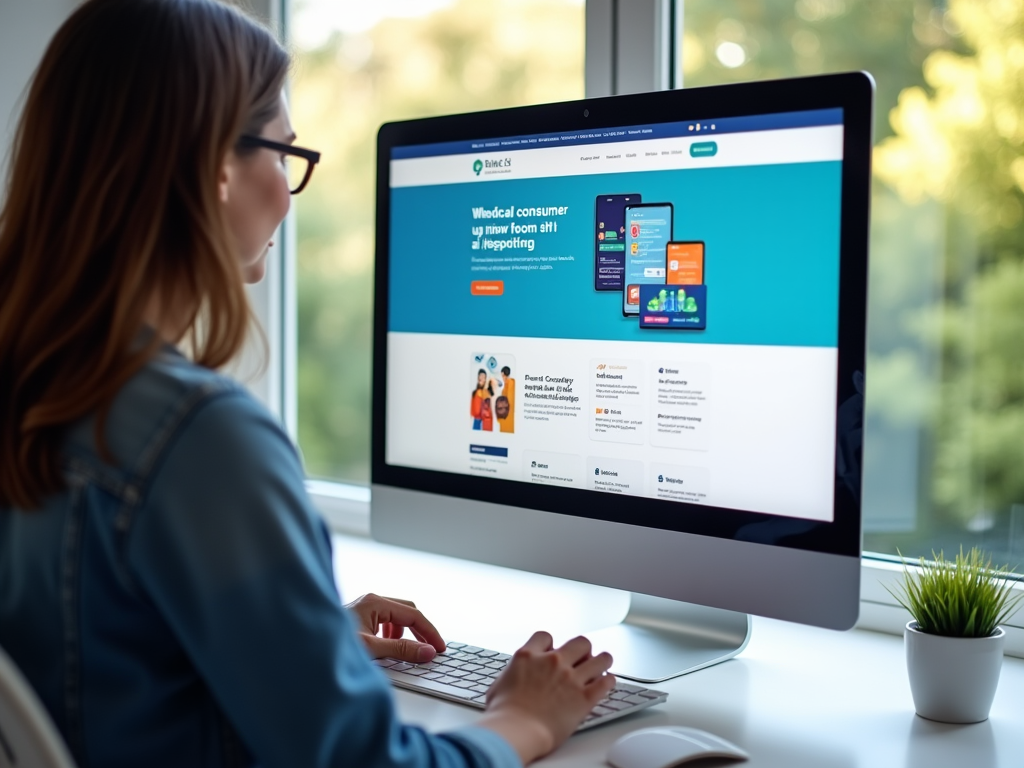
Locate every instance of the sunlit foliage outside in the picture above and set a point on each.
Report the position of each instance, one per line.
(473, 55)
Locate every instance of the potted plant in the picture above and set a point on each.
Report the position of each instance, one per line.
(954, 644)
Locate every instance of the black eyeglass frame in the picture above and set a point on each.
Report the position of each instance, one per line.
(311, 156)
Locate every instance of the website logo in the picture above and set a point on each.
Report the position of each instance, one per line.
(478, 165)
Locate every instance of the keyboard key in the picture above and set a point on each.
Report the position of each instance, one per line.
(433, 676)
(635, 700)
(616, 705)
(472, 667)
(480, 699)
(488, 654)
(600, 711)
(400, 666)
(480, 688)
(503, 657)
(456, 645)
(648, 694)
(445, 680)
(473, 678)
(627, 687)
(463, 684)
(456, 672)
(496, 665)
(471, 649)
(416, 671)
(385, 662)
(619, 695)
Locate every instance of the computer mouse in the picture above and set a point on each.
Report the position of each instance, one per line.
(669, 745)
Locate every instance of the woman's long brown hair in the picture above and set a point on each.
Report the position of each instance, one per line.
(112, 204)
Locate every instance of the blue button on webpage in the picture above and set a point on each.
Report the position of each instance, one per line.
(489, 450)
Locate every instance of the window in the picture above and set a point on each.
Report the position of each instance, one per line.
(358, 65)
(945, 407)
(945, 402)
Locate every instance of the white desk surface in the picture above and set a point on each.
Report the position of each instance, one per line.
(795, 697)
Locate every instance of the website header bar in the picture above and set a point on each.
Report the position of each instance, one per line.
(793, 145)
(708, 127)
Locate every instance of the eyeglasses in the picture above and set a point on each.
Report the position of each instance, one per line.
(299, 162)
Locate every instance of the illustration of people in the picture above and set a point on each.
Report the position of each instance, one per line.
(480, 404)
(505, 404)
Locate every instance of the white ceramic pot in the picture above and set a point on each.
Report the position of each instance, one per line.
(953, 679)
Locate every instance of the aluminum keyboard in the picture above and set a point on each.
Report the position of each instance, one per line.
(463, 673)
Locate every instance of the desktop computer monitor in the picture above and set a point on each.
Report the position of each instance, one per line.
(622, 341)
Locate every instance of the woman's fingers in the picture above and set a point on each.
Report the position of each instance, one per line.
(576, 650)
(400, 614)
(539, 642)
(391, 617)
(404, 648)
(590, 669)
(409, 603)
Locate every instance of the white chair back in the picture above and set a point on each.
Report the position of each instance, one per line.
(28, 738)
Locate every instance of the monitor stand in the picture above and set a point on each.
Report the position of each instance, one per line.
(660, 639)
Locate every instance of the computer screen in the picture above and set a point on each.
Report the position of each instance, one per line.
(647, 311)
(700, 369)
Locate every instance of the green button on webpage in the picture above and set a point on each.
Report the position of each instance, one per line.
(703, 149)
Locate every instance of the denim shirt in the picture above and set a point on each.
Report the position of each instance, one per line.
(177, 607)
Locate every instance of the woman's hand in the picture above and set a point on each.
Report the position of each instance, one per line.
(391, 617)
(544, 693)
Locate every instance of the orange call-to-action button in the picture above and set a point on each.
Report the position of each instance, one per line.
(487, 287)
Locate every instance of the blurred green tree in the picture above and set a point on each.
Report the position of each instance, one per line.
(472, 55)
(959, 140)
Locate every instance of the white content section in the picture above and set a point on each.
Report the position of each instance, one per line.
(738, 426)
(786, 145)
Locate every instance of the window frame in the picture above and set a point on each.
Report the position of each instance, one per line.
(618, 60)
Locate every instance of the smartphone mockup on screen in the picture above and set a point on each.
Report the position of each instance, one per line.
(684, 263)
(610, 240)
(648, 233)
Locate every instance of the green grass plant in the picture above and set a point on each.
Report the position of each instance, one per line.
(964, 597)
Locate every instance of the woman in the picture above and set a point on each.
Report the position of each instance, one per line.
(480, 402)
(165, 584)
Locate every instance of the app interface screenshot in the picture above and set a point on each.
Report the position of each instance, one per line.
(610, 240)
(648, 232)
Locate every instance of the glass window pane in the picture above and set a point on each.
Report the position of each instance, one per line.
(359, 64)
(944, 456)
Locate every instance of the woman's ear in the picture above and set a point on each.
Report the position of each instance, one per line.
(224, 180)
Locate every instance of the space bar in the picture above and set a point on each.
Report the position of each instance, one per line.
(430, 685)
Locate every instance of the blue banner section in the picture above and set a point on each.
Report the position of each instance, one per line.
(709, 126)
(516, 258)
